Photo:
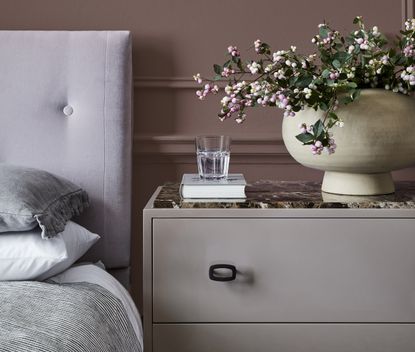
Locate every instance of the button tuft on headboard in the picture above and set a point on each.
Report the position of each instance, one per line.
(68, 110)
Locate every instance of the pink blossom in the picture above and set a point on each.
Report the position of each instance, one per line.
(257, 45)
(409, 51)
(227, 72)
(208, 88)
(197, 78)
(233, 50)
(302, 127)
(334, 75)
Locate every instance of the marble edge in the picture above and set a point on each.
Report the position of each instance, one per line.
(301, 195)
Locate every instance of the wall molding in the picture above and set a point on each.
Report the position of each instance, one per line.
(408, 9)
(179, 149)
(164, 82)
(172, 82)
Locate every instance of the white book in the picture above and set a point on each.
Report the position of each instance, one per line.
(193, 186)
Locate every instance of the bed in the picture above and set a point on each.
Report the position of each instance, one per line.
(65, 100)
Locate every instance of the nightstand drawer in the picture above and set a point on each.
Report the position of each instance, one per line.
(284, 337)
(288, 270)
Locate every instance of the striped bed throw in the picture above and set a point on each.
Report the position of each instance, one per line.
(49, 317)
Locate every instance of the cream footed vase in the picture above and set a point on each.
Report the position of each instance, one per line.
(378, 137)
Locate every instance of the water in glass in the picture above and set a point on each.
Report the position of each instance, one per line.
(213, 164)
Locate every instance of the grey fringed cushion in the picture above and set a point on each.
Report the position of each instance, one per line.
(31, 197)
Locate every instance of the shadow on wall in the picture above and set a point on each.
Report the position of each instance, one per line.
(155, 113)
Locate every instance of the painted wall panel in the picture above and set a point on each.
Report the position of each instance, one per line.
(174, 39)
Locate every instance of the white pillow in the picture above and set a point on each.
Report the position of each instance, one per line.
(26, 256)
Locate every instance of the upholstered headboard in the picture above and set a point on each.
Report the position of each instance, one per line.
(65, 107)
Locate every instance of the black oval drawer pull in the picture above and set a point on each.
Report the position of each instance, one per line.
(215, 276)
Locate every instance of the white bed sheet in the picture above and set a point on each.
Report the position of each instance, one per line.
(92, 273)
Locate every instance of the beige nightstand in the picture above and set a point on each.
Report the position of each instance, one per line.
(284, 271)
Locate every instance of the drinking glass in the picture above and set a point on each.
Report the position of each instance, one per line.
(213, 154)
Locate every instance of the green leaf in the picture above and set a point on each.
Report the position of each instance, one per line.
(333, 115)
(333, 118)
(351, 84)
(239, 64)
(345, 99)
(312, 100)
(342, 88)
(289, 72)
(227, 63)
(217, 69)
(342, 76)
(356, 94)
(318, 129)
(304, 81)
(336, 64)
(325, 73)
(293, 80)
(323, 32)
(401, 60)
(338, 46)
(305, 138)
(358, 20)
(325, 56)
(363, 61)
(323, 106)
(342, 57)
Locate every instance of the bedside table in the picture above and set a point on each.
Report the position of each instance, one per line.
(287, 270)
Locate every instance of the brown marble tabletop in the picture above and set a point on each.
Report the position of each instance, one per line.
(290, 194)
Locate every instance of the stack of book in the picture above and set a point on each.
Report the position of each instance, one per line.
(232, 187)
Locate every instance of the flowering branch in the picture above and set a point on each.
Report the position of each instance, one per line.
(325, 80)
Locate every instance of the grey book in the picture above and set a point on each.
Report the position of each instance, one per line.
(193, 186)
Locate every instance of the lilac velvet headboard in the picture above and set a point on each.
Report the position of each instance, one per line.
(65, 107)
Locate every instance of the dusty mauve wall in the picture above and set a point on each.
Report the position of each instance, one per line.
(174, 39)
